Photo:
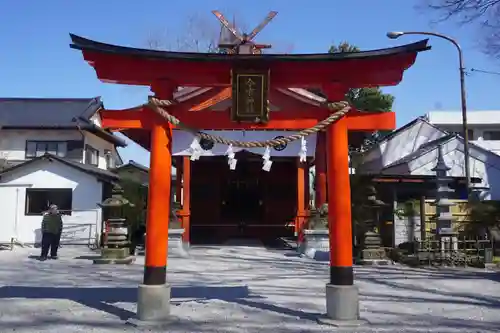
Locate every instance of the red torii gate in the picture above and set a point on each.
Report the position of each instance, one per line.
(165, 72)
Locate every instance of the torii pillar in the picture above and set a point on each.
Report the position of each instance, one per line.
(153, 301)
(342, 299)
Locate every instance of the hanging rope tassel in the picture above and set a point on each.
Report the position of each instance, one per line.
(303, 150)
(196, 149)
(267, 160)
(231, 161)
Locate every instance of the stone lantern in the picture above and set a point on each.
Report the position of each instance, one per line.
(444, 218)
(372, 253)
(116, 245)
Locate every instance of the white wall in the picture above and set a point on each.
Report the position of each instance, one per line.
(87, 193)
(486, 117)
(101, 145)
(478, 121)
(13, 142)
(478, 135)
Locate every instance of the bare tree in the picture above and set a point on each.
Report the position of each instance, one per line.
(484, 14)
(200, 34)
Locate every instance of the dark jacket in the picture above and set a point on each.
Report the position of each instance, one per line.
(52, 223)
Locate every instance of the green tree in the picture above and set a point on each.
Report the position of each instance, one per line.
(365, 99)
(484, 216)
(137, 194)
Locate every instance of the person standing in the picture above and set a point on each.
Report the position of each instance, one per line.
(52, 226)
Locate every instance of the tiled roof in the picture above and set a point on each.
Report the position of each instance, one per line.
(46, 112)
(105, 175)
(53, 113)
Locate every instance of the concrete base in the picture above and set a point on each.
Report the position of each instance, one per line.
(153, 306)
(118, 253)
(341, 323)
(111, 261)
(342, 306)
(162, 325)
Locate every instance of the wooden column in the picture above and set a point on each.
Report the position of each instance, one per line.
(423, 222)
(301, 188)
(307, 194)
(339, 205)
(185, 213)
(160, 176)
(178, 179)
(320, 174)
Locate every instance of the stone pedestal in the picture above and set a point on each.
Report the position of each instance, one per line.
(342, 306)
(175, 243)
(373, 253)
(115, 256)
(153, 307)
(316, 244)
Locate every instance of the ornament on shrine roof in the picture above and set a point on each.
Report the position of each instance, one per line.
(282, 146)
(206, 144)
(233, 42)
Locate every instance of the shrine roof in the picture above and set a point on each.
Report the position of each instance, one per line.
(84, 44)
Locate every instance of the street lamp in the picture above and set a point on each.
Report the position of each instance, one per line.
(397, 34)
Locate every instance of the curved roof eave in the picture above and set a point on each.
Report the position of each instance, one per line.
(84, 44)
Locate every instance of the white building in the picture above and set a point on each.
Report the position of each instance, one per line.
(484, 126)
(53, 151)
(413, 150)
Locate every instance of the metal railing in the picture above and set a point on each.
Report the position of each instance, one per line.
(452, 252)
(82, 227)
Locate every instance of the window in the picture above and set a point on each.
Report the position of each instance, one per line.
(91, 155)
(40, 148)
(38, 200)
(491, 135)
(109, 159)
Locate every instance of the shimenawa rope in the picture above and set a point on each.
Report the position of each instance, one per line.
(339, 109)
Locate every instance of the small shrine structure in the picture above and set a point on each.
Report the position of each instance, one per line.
(247, 119)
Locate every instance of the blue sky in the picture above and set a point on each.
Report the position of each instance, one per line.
(36, 60)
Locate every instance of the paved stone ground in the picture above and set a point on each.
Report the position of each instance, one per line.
(239, 289)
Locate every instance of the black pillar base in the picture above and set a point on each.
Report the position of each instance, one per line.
(155, 275)
(341, 275)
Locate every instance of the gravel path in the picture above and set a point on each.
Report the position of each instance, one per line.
(239, 289)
